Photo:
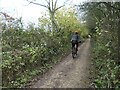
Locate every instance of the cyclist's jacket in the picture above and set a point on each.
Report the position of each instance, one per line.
(75, 37)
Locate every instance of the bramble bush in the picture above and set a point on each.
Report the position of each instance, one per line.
(25, 52)
(31, 51)
(104, 54)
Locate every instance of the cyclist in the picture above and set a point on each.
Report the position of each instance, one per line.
(75, 39)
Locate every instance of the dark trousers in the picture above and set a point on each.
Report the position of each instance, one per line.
(74, 43)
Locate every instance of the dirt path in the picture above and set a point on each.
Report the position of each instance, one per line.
(70, 73)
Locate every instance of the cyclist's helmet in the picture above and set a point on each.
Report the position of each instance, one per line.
(76, 32)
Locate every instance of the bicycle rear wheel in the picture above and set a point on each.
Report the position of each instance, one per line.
(74, 52)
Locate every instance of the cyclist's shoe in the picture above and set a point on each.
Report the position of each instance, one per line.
(76, 54)
(77, 49)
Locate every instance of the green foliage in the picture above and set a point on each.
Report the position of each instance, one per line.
(104, 59)
(29, 52)
(68, 20)
(102, 18)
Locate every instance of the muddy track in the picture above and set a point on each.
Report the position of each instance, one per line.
(70, 73)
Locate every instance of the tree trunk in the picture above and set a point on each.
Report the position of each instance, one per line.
(52, 21)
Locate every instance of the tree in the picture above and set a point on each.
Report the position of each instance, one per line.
(52, 8)
(105, 41)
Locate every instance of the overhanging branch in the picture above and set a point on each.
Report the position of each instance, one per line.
(59, 7)
(37, 4)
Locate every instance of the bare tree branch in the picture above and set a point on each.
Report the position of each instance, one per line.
(27, 4)
(52, 6)
(55, 4)
(59, 7)
(37, 4)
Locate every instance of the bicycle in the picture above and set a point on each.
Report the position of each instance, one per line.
(74, 51)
